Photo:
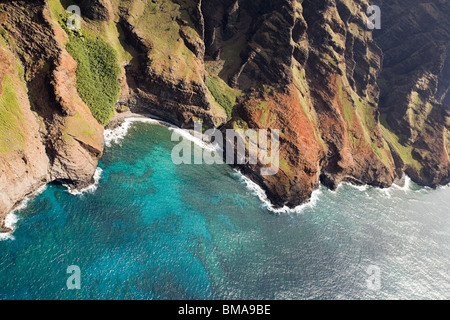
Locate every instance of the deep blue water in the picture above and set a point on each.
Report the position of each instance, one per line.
(154, 230)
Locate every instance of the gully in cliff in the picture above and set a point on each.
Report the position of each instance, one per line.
(232, 148)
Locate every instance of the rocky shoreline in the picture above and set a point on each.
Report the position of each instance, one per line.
(309, 68)
(4, 229)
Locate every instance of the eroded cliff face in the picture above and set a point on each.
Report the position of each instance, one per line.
(167, 76)
(309, 68)
(415, 82)
(314, 66)
(48, 133)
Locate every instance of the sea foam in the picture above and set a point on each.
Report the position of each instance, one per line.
(116, 135)
(12, 218)
(10, 222)
(406, 186)
(89, 189)
(261, 194)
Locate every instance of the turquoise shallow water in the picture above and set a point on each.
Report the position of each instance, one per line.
(154, 230)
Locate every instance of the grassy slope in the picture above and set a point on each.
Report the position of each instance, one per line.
(98, 62)
(157, 24)
(11, 121)
(168, 57)
(12, 135)
(97, 74)
(404, 152)
(359, 113)
(223, 94)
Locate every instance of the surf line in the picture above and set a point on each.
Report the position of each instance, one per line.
(12, 218)
(261, 194)
(89, 189)
(118, 133)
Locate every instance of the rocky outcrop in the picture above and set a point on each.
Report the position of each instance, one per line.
(310, 70)
(96, 9)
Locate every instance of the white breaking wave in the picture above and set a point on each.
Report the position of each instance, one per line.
(406, 186)
(361, 188)
(117, 134)
(258, 191)
(386, 191)
(10, 222)
(12, 218)
(196, 140)
(89, 189)
(443, 187)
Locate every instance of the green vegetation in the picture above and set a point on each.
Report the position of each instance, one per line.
(382, 153)
(223, 94)
(112, 34)
(302, 84)
(359, 114)
(78, 127)
(335, 38)
(21, 73)
(240, 124)
(264, 111)
(157, 23)
(117, 36)
(267, 115)
(57, 10)
(12, 137)
(285, 167)
(393, 140)
(98, 66)
(347, 106)
(418, 111)
(97, 74)
(3, 32)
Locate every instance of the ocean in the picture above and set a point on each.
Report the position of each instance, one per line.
(149, 229)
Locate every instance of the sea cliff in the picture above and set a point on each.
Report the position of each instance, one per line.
(351, 104)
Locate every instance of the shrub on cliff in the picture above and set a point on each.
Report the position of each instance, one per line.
(222, 99)
(97, 74)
